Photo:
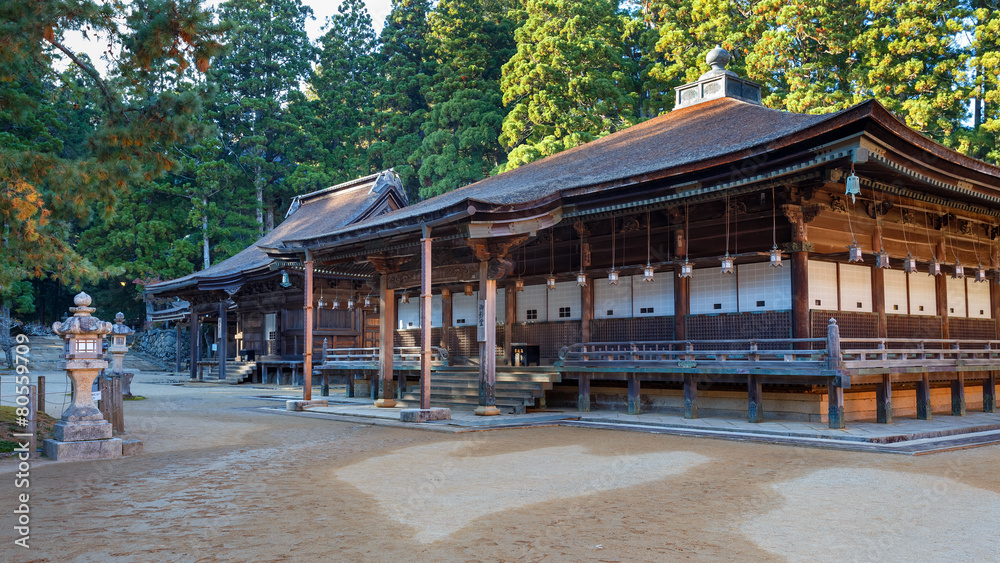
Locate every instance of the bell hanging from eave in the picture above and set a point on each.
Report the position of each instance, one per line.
(853, 186)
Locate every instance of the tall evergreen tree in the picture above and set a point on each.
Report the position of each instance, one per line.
(983, 37)
(344, 88)
(405, 67)
(568, 83)
(258, 80)
(472, 39)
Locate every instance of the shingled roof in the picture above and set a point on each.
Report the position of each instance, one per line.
(309, 215)
(693, 134)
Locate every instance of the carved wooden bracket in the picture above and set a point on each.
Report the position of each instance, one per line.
(457, 273)
(499, 268)
(875, 210)
(581, 229)
(486, 249)
(385, 264)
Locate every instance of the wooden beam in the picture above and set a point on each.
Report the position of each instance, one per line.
(801, 327)
(634, 394)
(195, 340)
(583, 393)
(177, 341)
(878, 301)
(510, 317)
(307, 352)
(883, 400)
(990, 393)
(941, 294)
(682, 289)
(223, 338)
(425, 321)
(587, 313)
(690, 397)
(924, 397)
(958, 395)
(755, 399)
(387, 332)
(446, 317)
(487, 343)
(835, 398)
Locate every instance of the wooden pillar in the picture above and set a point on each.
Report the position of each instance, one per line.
(425, 320)
(682, 289)
(446, 318)
(755, 399)
(509, 318)
(387, 332)
(990, 393)
(878, 301)
(835, 397)
(634, 394)
(883, 400)
(487, 343)
(958, 395)
(801, 327)
(195, 340)
(690, 396)
(941, 295)
(223, 338)
(307, 352)
(177, 341)
(587, 312)
(924, 397)
(583, 393)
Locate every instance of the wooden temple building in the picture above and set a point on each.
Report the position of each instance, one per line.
(723, 259)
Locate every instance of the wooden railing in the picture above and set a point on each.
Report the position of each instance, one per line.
(863, 353)
(402, 355)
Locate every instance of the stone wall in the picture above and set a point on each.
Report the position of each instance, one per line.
(161, 344)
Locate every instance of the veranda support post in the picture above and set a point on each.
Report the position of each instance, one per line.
(834, 388)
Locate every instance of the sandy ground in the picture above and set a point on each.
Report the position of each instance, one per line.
(220, 480)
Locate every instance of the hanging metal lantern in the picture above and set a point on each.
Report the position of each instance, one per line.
(980, 274)
(687, 269)
(320, 304)
(727, 264)
(996, 276)
(647, 273)
(853, 186)
(775, 257)
(910, 264)
(350, 303)
(550, 282)
(336, 304)
(959, 271)
(882, 259)
(468, 289)
(404, 298)
(854, 253)
(368, 302)
(935, 267)
(613, 277)
(285, 281)
(581, 279)
(518, 284)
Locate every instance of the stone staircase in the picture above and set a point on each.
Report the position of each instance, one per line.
(236, 372)
(517, 388)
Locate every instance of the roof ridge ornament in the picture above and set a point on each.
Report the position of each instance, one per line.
(718, 82)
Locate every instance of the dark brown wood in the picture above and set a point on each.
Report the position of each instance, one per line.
(883, 400)
(583, 393)
(194, 344)
(801, 327)
(587, 312)
(510, 317)
(634, 394)
(387, 328)
(924, 398)
(941, 294)
(878, 301)
(690, 396)
(958, 396)
(989, 393)
(41, 392)
(220, 347)
(835, 399)
(307, 352)
(446, 318)
(995, 304)
(682, 303)
(177, 342)
(425, 322)
(487, 347)
(755, 399)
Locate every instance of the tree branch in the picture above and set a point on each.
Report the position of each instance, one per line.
(91, 72)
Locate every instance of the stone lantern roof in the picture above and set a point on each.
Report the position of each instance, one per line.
(119, 328)
(81, 323)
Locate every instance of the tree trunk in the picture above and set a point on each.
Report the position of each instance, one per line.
(5, 340)
(269, 218)
(204, 233)
(259, 185)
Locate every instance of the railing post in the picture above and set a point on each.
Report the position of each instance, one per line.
(689, 348)
(754, 356)
(834, 359)
(883, 355)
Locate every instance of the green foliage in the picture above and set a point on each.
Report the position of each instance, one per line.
(471, 39)
(569, 81)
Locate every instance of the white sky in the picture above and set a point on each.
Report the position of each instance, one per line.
(322, 9)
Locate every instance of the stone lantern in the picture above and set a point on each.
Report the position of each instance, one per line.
(119, 332)
(82, 432)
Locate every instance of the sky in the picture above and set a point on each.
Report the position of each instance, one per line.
(322, 9)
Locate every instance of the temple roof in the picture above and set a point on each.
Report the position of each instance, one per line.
(309, 215)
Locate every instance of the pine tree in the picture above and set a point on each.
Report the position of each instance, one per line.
(344, 89)
(472, 39)
(983, 140)
(569, 81)
(114, 138)
(258, 81)
(405, 67)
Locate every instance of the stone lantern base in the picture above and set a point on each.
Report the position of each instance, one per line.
(82, 450)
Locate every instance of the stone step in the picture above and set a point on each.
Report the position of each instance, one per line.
(518, 407)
